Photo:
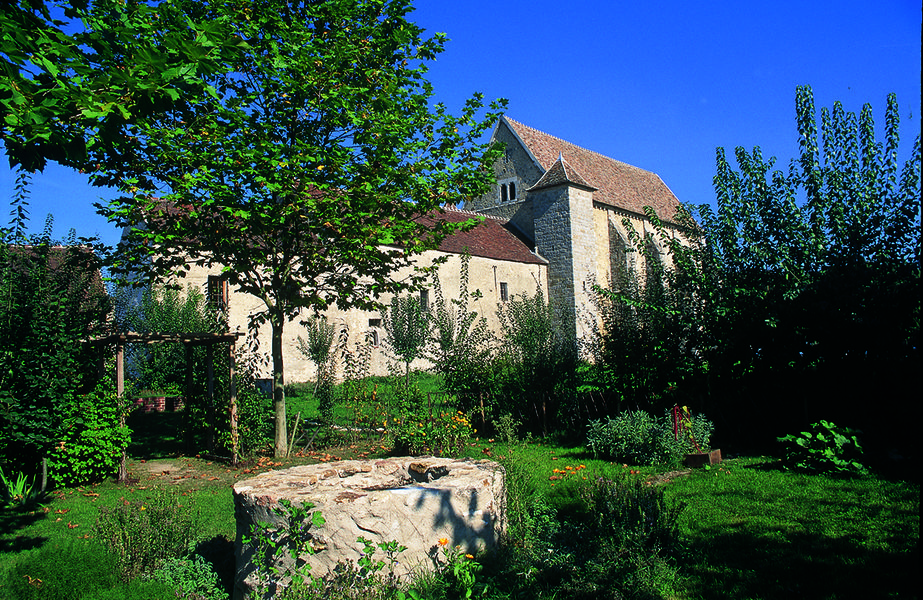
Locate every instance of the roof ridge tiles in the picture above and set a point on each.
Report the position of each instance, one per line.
(562, 140)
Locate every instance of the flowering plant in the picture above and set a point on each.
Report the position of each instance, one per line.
(459, 567)
(438, 434)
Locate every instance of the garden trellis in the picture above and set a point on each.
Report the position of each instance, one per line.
(189, 341)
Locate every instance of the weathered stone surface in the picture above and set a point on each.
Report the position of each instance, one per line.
(414, 501)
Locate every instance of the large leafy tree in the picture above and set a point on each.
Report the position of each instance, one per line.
(72, 75)
(304, 177)
(802, 289)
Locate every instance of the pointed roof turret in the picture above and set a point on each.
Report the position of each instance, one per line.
(561, 173)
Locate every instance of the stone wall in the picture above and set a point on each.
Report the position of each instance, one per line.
(415, 501)
(485, 276)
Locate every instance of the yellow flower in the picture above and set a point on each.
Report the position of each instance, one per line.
(443, 541)
(469, 556)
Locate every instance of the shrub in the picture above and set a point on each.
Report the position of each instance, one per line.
(143, 534)
(638, 438)
(824, 448)
(93, 439)
(192, 577)
(627, 539)
(414, 428)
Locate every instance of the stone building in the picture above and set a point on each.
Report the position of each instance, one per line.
(570, 205)
(553, 220)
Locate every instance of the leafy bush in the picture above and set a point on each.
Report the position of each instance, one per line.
(628, 536)
(824, 448)
(191, 577)
(93, 440)
(638, 438)
(414, 428)
(141, 535)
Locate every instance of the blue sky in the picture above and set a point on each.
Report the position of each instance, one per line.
(658, 85)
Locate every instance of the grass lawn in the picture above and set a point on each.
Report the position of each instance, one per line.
(752, 530)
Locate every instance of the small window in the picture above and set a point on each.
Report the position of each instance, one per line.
(512, 191)
(217, 292)
(504, 292)
(503, 197)
(424, 300)
(374, 322)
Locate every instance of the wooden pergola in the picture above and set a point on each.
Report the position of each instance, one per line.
(189, 341)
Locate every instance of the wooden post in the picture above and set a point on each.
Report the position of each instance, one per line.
(232, 402)
(210, 360)
(120, 394)
(188, 400)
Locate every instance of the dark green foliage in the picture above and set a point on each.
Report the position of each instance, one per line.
(537, 363)
(824, 448)
(798, 298)
(53, 298)
(92, 442)
(637, 438)
(191, 578)
(142, 534)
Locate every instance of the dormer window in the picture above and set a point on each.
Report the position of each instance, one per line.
(507, 190)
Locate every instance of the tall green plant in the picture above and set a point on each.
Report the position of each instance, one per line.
(538, 359)
(407, 327)
(51, 300)
(461, 344)
(801, 289)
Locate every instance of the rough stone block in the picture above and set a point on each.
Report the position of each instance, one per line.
(414, 501)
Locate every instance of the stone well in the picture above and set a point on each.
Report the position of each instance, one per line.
(414, 501)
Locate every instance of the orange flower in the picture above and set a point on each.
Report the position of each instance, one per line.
(443, 541)
(469, 556)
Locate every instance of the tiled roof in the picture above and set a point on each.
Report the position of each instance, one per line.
(560, 172)
(493, 238)
(617, 184)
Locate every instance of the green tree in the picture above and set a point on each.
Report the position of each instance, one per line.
(805, 283)
(52, 298)
(407, 326)
(318, 348)
(305, 177)
(72, 76)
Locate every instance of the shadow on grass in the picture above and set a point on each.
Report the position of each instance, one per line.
(14, 520)
(219, 552)
(156, 435)
(771, 565)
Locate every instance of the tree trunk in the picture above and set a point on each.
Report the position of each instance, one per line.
(278, 388)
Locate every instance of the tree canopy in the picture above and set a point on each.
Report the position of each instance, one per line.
(798, 297)
(73, 76)
(303, 178)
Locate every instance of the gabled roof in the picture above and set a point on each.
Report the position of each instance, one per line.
(617, 184)
(493, 238)
(561, 172)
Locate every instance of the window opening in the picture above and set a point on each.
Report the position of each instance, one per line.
(504, 292)
(217, 292)
(424, 300)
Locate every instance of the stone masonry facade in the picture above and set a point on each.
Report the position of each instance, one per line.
(554, 220)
